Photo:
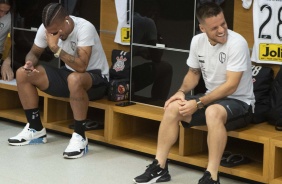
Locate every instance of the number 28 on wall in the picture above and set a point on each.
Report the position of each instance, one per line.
(268, 8)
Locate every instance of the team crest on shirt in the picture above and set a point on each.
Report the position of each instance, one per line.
(73, 45)
(222, 57)
(119, 65)
(1, 26)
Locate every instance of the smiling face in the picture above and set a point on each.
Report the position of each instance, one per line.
(216, 29)
(4, 9)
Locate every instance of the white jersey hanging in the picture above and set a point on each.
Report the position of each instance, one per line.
(123, 28)
(267, 22)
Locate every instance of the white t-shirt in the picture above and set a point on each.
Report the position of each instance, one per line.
(83, 34)
(214, 61)
(267, 23)
(5, 26)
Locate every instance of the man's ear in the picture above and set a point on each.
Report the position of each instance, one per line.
(202, 28)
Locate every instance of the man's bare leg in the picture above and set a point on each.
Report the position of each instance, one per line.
(27, 84)
(217, 137)
(168, 132)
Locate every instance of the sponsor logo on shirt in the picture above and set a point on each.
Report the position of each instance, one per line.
(1, 26)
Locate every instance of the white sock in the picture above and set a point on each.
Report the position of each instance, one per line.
(247, 3)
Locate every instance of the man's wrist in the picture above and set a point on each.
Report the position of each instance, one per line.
(6, 63)
(55, 49)
(199, 104)
(180, 90)
(57, 54)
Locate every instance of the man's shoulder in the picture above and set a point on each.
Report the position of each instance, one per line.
(236, 40)
(200, 37)
(6, 19)
(80, 20)
(232, 35)
(82, 23)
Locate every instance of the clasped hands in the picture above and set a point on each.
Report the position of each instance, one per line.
(186, 107)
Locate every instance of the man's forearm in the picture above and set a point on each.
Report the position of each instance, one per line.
(7, 61)
(32, 57)
(73, 61)
(190, 80)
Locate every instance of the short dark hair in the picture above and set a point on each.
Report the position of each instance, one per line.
(8, 2)
(53, 11)
(207, 10)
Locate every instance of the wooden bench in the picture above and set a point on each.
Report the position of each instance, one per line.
(136, 128)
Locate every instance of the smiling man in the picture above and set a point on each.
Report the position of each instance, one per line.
(84, 77)
(222, 57)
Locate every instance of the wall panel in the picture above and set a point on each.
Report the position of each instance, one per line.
(108, 26)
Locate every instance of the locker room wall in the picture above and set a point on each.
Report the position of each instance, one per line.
(243, 24)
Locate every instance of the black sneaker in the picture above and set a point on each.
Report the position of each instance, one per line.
(153, 174)
(207, 179)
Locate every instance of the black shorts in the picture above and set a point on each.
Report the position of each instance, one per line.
(239, 114)
(58, 85)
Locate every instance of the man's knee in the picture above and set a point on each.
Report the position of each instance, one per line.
(172, 110)
(21, 75)
(76, 81)
(173, 106)
(216, 114)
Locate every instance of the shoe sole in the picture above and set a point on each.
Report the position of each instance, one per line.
(77, 156)
(41, 140)
(156, 180)
(149, 182)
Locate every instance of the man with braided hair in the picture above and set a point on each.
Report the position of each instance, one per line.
(84, 77)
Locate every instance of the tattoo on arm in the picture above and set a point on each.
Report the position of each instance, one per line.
(82, 51)
(71, 59)
(196, 71)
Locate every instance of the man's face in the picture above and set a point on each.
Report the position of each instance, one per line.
(4, 9)
(215, 28)
(59, 27)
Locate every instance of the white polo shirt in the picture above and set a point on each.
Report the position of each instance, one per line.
(215, 61)
(83, 34)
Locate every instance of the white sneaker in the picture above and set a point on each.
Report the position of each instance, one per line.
(77, 147)
(29, 136)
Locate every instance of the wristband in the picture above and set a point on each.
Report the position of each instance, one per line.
(57, 54)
